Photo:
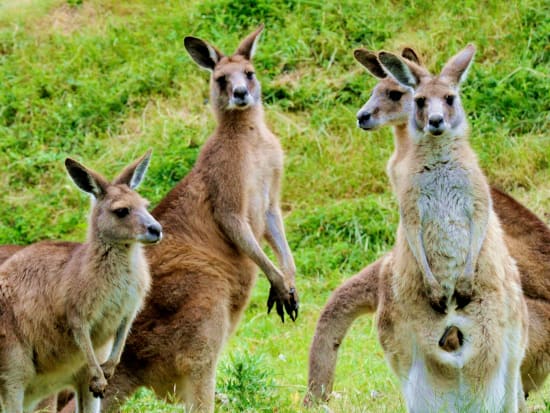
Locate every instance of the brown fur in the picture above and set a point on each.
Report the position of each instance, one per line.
(447, 226)
(205, 269)
(351, 300)
(526, 236)
(61, 303)
(355, 297)
(6, 251)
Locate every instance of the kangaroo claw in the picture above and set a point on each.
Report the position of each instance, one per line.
(288, 302)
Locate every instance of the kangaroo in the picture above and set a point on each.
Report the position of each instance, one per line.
(62, 302)
(390, 104)
(526, 236)
(447, 224)
(214, 220)
(448, 267)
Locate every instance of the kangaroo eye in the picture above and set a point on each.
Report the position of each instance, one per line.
(121, 212)
(395, 95)
(249, 75)
(222, 82)
(420, 102)
(450, 99)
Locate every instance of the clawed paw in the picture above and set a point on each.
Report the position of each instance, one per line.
(98, 385)
(438, 299)
(287, 301)
(463, 292)
(108, 369)
(439, 305)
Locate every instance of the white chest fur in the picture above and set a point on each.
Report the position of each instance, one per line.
(445, 206)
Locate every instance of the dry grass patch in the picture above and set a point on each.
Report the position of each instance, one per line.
(67, 19)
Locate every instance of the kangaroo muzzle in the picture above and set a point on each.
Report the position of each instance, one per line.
(452, 339)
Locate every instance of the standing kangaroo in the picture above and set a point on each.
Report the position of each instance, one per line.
(455, 337)
(61, 303)
(526, 236)
(214, 220)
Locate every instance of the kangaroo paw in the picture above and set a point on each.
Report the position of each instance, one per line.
(98, 385)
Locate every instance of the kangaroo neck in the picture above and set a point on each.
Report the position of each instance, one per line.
(108, 257)
(402, 141)
(436, 149)
(236, 121)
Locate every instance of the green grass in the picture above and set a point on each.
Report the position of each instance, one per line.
(105, 80)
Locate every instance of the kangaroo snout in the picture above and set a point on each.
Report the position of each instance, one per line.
(241, 97)
(240, 92)
(152, 235)
(436, 124)
(155, 232)
(436, 121)
(363, 120)
(452, 339)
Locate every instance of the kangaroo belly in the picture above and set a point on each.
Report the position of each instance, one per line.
(446, 243)
(445, 205)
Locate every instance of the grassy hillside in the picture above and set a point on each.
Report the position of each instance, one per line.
(102, 80)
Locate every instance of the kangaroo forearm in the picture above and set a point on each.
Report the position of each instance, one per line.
(242, 236)
(424, 259)
(84, 343)
(478, 233)
(416, 244)
(120, 340)
(276, 238)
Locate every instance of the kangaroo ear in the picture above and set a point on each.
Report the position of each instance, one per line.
(370, 61)
(398, 69)
(410, 54)
(407, 73)
(87, 180)
(247, 48)
(133, 174)
(203, 53)
(456, 69)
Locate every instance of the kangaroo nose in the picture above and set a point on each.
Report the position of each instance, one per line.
(155, 231)
(436, 121)
(240, 92)
(363, 119)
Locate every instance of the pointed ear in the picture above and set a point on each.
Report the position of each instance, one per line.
(87, 180)
(133, 174)
(247, 48)
(456, 69)
(407, 73)
(204, 54)
(410, 54)
(370, 61)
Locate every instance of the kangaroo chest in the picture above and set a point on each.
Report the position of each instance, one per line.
(263, 173)
(122, 301)
(445, 207)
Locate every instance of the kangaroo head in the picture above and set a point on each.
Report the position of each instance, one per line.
(437, 110)
(233, 84)
(452, 339)
(390, 102)
(119, 214)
